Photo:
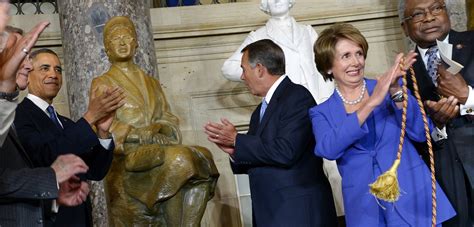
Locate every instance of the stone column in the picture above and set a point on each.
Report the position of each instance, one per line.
(457, 14)
(82, 25)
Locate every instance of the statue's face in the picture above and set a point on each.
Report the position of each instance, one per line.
(121, 45)
(279, 7)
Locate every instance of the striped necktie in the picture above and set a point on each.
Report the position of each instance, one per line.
(432, 63)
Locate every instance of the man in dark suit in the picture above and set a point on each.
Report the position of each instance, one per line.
(448, 98)
(45, 134)
(25, 191)
(287, 183)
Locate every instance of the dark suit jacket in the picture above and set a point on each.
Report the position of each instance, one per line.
(454, 158)
(24, 192)
(287, 183)
(44, 142)
(463, 52)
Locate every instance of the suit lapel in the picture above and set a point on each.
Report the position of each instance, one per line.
(43, 121)
(272, 105)
(118, 77)
(462, 50)
(338, 112)
(379, 113)
(425, 84)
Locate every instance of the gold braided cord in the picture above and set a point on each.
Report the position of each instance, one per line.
(430, 148)
(386, 186)
(404, 117)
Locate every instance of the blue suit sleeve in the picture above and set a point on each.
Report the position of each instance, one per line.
(333, 141)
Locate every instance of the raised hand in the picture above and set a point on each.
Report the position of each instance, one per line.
(16, 49)
(73, 192)
(66, 166)
(452, 85)
(389, 80)
(104, 105)
(222, 134)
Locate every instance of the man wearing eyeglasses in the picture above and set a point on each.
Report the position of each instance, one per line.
(448, 98)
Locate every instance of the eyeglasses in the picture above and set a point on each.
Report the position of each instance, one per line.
(125, 38)
(420, 14)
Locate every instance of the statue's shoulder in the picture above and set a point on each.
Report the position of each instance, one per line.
(104, 77)
(260, 31)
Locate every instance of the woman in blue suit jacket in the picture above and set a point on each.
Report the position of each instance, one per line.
(359, 126)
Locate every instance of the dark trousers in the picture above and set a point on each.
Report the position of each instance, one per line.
(454, 170)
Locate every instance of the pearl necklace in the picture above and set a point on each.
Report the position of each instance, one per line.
(358, 100)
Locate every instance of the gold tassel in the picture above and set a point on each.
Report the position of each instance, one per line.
(386, 186)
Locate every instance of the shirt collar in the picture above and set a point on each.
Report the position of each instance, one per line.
(38, 102)
(273, 88)
(423, 50)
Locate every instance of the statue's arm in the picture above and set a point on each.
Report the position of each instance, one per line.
(231, 67)
(168, 121)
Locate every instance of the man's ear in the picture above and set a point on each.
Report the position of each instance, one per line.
(261, 70)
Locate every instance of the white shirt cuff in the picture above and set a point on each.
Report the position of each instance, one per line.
(55, 207)
(468, 107)
(439, 134)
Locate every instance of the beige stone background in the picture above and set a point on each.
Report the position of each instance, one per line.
(192, 43)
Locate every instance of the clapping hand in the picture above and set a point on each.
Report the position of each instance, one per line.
(389, 80)
(73, 192)
(452, 84)
(222, 134)
(443, 110)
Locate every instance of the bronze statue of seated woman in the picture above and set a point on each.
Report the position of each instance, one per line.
(154, 180)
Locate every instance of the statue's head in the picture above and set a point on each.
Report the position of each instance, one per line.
(276, 7)
(120, 39)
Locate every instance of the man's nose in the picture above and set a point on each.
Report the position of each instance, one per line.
(28, 66)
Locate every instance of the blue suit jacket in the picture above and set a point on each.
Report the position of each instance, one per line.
(44, 142)
(287, 183)
(339, 137)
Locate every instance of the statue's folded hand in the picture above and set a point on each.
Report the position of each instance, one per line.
(143, 135)
(161, 139)
(144, 158)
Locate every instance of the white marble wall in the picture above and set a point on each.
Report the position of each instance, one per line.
(191, 45)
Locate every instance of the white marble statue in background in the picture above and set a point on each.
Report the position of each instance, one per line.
(297, 42)
(295, 39)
